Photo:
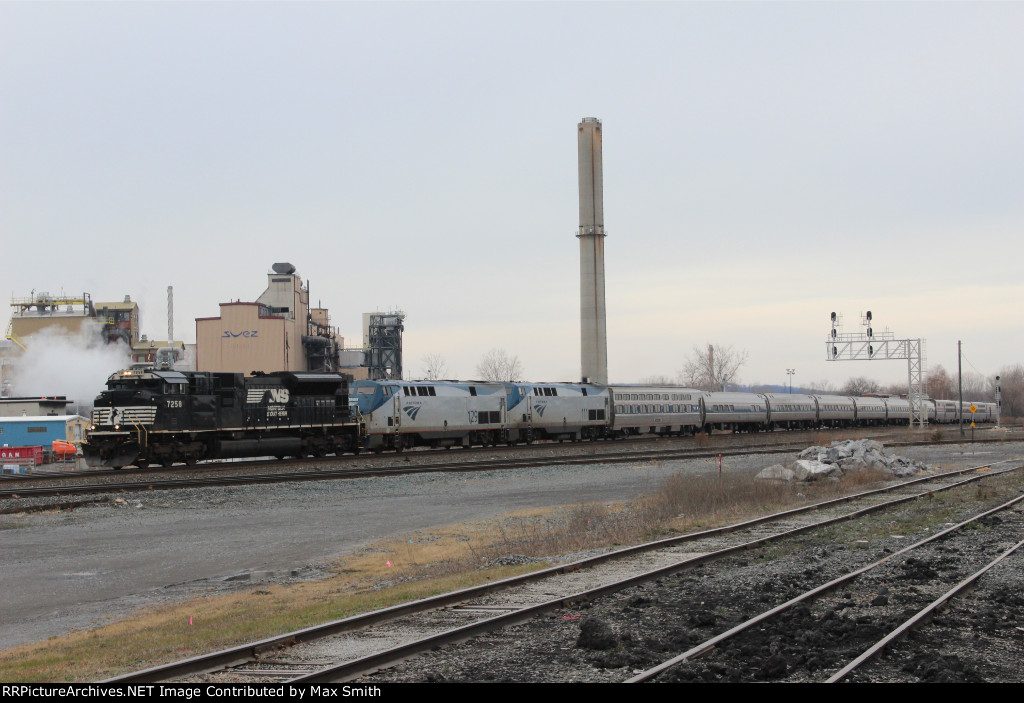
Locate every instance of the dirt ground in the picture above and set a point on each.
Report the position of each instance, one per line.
(76, 569)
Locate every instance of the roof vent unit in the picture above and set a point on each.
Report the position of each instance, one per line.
(284, 268)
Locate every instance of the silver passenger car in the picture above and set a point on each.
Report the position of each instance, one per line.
(791, 410)
(656, 410)
(870, 411)
(739, 412)
(836, 410)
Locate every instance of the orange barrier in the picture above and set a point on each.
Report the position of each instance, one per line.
(62, 448)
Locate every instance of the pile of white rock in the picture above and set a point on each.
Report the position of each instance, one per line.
(841, 458)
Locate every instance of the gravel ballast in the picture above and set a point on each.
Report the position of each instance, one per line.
(76, 569)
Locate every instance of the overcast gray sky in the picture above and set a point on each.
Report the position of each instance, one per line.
(764, 165)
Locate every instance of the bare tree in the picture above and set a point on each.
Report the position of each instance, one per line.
(434, 367)
(712, 368)
(823, 387)
(975, 386)
(657, 380)
(897, 388)
(939, 384)
(497, 365)
(861, 385)
(1011, 381)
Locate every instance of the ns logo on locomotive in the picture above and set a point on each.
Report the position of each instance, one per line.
(150, 416)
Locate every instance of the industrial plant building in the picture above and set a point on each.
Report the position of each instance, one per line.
(276, 332)
(73, 315)
(279, 331)
(34, 406)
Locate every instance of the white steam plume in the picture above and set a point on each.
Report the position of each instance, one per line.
(76, 366)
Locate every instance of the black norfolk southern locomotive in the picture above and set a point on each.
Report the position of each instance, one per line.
(148, 416)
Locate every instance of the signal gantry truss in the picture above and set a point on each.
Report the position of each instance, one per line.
(869, 346)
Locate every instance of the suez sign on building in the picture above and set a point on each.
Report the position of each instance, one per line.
(249, 334)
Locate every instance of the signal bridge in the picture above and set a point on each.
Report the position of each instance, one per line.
(869, 346)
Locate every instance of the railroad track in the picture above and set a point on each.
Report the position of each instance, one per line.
(363, 644)
(722, 443)
(739, 652)
(91, 483)
(718, 442)
(322, 474)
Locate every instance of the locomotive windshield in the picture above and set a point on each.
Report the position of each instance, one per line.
(149, 384)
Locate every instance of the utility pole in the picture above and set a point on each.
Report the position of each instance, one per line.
(999, 401)
(960, 384)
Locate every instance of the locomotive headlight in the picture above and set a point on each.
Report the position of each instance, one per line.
(117, 427)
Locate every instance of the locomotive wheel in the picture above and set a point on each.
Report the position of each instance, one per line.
(142, 463)
(190, 460)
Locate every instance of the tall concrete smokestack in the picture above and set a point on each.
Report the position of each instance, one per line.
(593, 337)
